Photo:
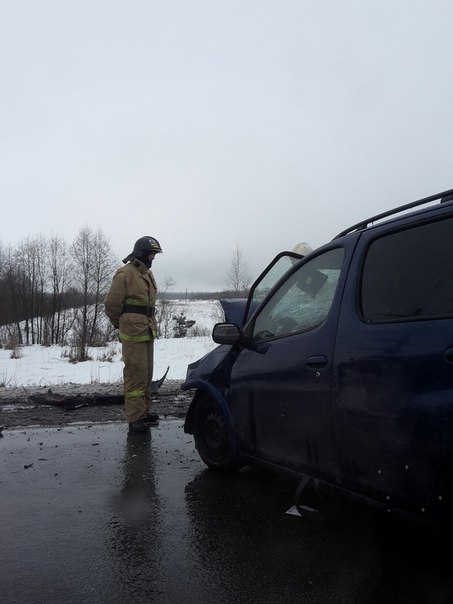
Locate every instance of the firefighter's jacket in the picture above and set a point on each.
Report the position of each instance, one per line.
(132, 285)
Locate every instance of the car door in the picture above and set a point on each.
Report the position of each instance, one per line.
(280, 397)
(394, 360)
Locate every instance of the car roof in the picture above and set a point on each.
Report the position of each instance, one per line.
(445, 196)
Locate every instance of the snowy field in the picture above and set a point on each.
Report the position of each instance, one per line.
(46, 366)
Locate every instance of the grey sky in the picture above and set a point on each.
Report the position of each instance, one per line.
(210, 124)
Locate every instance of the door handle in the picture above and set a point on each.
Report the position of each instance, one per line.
(317, 361)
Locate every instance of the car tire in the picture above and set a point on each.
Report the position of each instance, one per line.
(211, 436)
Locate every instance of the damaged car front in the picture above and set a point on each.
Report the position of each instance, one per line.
(209, 416)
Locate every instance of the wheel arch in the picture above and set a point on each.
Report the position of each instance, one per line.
(204, 389)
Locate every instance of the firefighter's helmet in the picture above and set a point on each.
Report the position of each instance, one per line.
(144, 245)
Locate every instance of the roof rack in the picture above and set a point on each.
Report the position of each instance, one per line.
(445, 196)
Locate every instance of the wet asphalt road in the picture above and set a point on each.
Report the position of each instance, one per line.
(90, 514)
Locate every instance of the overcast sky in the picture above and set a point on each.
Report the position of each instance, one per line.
(211, 124)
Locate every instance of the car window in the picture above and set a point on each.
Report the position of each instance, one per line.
(266, 281)
(304, 299)
(408, 275)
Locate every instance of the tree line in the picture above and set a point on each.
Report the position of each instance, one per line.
(49, 289)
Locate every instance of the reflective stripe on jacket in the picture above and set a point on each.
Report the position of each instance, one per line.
(132, 284)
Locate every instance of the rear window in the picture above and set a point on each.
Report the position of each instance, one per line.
(408, 275)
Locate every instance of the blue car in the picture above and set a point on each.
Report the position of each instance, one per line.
(339, 366)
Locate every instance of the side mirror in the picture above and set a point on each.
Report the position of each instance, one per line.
(226, 333)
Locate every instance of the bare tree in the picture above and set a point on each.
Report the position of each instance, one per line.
(92, 270)
(166, 309)
(58, 260)
(5, 311)
(39, 285)
(238, 277)
(104, 264)
(29, 262)
(11, 307)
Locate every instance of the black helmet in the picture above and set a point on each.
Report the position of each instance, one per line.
(144, 245)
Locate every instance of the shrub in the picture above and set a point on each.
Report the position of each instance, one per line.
(182, 325)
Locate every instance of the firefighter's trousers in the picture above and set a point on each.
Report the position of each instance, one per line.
(137, 374)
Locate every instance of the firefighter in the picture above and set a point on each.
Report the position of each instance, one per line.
(130, 307)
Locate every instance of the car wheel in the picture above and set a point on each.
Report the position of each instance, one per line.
(211, 436)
